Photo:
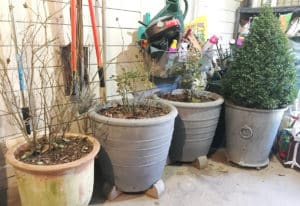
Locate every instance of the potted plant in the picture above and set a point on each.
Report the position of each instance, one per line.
(214, 84)
(135, 132)
(198, 112)
(259, 86)
(52, 167)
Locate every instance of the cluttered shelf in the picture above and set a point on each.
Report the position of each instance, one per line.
(244, 13)
(284, 9)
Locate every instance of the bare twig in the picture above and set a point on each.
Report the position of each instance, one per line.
(50, 109)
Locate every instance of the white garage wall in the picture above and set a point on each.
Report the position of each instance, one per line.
(220, 16)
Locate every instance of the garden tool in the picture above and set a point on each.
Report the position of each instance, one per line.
(75, 87)
(81, 67)
(98, 52)
(86, 96)
(78, 56)
(25, 108)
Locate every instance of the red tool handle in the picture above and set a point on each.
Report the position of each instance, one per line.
(96, 41)
(73, 35)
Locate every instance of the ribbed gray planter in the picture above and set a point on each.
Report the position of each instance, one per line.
(195, 127)
(250, 134)
(137, 148)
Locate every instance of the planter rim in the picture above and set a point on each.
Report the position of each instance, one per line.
(231, 104)
(92, 114)
(58, 168)
(218, 101)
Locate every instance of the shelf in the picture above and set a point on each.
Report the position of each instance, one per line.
(244, 13)
(279, 10)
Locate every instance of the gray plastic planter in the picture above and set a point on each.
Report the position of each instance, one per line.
(250, 134)
(137, 148)
(195, 127)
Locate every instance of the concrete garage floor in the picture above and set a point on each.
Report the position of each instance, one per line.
(221, 183)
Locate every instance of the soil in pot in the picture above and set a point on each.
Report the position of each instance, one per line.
(138, 112)
(185, 97)
(62, 150)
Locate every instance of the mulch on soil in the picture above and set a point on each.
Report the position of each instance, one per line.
(139, 112)
(185, 98)
(63, 150)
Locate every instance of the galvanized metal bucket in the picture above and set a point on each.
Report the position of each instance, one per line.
(250, 134)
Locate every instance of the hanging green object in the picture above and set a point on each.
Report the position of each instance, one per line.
(172, 8)
(145, 23)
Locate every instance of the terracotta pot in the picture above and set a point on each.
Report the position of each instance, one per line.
(66, 184)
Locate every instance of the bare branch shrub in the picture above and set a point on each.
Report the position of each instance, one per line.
(50, 110)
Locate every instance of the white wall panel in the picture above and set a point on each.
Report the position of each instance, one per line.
(220, 16)
(130, 5)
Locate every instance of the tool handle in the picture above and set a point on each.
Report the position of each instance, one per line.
(96, 41)
(20, 72)
(26, 118)
(24, 109)
(101, 76)
(18, 55)
(142, 23)
(73, 35)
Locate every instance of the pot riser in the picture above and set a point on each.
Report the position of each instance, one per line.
(138, 154)
(243, 148)
(75, 187)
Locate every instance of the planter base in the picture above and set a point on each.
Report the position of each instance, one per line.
(256, 165)
(156, 190)
(201, 162)
(114, 193)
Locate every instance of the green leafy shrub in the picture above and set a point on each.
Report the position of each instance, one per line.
(262, 74)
